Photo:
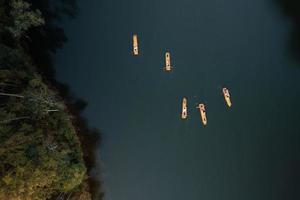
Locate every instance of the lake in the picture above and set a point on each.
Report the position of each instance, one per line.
(250, 151)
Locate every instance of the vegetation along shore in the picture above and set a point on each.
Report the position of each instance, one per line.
(46, 147)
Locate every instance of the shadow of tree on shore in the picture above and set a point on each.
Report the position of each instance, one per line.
(291, 9)
(42, 42)
(291, 173)
(90, 140)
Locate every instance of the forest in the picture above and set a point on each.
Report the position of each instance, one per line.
(41, 154)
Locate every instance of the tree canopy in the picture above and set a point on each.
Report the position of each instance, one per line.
(40, 152)
(23, 17)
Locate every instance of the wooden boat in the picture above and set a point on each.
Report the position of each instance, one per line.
(184, 108)
(135, 45)
(201, 107)
(168, 66)
(227, 97)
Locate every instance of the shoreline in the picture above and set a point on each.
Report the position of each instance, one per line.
(41, 68)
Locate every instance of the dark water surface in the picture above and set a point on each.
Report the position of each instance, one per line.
(251, 151)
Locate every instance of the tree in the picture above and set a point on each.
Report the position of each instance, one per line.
(23, 18)
(40, 153)
(37, 100)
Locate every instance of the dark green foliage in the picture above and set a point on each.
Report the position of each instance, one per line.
(23, 17)
(40, 153)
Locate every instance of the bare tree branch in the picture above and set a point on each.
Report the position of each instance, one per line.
(54, 110)
(11, 95)
(13, 119)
